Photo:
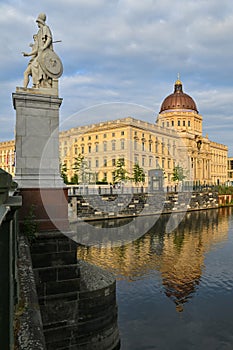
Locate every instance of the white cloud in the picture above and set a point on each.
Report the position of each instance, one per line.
(126, 50)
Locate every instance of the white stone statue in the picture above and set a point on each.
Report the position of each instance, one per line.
(45, 65)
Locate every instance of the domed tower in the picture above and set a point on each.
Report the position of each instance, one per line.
(179, 111)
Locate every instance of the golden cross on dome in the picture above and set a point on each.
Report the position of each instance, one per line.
(178, 82)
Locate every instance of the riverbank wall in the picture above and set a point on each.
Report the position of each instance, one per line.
(96, 207)
(64, 303)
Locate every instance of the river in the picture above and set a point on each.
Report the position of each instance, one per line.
(174, 289)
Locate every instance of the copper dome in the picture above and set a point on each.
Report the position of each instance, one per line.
(178, 100)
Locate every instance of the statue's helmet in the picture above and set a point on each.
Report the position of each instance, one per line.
(41, 18)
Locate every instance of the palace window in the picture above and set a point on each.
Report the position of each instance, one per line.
(163, 145)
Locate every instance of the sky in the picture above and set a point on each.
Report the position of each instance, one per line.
(121, 58)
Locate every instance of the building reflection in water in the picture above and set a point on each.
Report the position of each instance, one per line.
(179, 256)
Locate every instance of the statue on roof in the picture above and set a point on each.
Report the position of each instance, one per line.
(44, 65)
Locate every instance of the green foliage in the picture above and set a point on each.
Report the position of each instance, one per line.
(120, 171)
(82, 173)
(138, 174)
(74, 179)
(224, 189)
(63, 171)
(77, 166)
(178, 174)
(104, 182)
(78, 162)
(30, 227)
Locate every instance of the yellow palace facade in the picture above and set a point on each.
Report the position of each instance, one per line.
(175, 139)
(176, 134)
(7, 156)
(131, 140)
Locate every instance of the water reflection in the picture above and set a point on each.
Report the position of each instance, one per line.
(179, 256)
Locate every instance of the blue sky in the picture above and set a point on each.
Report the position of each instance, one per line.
(126, 53)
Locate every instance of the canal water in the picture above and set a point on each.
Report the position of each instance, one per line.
(174, 290)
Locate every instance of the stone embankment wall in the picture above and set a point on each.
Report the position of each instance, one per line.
(28, 322)
(225, 199)
(75, 306)
(112, 206)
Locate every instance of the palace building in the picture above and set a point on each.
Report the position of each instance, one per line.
(128, 139)
(174, 140)
(230, 171)
(178, 129)
(208, 158)
(7, 156)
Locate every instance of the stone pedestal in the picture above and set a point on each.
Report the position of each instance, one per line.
(37, 158)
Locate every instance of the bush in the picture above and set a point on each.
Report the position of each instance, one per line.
(224, 189)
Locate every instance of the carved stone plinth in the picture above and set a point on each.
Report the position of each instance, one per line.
(37, 158)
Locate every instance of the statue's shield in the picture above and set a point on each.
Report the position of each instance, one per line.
(51, 64)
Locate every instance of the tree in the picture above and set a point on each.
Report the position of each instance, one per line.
(63, 171)
(82, 171)
(77, 166)
(178, 174)
(138, 174)
(120, 172)
(74, 179)
(78, 162)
